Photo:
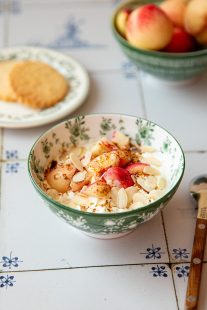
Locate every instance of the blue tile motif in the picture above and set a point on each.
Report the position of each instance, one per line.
(6, 281)
(15, 7)
(72, 37)
(116, 2)
(10, 261)
(153, 252)
(180, 254)
(129, 70)
(12, 168)
(182, 272)
(11, 154)
(159, 271)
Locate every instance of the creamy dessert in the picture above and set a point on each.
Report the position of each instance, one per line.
(110, 175)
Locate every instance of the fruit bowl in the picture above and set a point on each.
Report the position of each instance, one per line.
(82, 129)
(164, 65)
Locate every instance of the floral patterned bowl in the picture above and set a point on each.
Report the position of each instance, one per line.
(166, 66)
(84, 128)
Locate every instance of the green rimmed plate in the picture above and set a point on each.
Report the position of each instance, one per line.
(15, 115)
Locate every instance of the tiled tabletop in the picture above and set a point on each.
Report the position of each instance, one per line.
(46, 264)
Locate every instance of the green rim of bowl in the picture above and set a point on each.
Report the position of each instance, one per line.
(61, 206)
(159, 54)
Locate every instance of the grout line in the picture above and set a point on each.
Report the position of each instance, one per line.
(87, 267)
(170, 264)
(1, 155)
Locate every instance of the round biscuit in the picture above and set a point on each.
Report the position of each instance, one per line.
(6, 91)
(37, 84)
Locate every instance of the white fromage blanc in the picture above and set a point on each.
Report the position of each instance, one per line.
(109, 176)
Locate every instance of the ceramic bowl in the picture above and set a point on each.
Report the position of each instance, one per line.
(84, 128)
(167, 66)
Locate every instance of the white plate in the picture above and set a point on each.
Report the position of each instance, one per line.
(16, 115)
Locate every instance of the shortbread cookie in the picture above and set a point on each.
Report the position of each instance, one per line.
(37, 85)
(6, 91)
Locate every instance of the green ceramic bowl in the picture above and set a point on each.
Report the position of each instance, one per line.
(84, 128)
(167, 66)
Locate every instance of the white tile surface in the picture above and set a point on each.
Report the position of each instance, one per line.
(180, 214)
(2, 26)
(180, 109)
(109, 93)
(91, 273)
(181, 285)
(125, 287)
(28, 228)
(69, 27)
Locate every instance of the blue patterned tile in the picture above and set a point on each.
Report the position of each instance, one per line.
(12, 168)
(159, 271)
(72, 37)
(153, 252)
(15, 6)
(180, 254)
(182, 271)
(129, 70)
(11, 154)
(10, 261)
(6, 281)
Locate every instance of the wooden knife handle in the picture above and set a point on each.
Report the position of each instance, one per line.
(194, 279)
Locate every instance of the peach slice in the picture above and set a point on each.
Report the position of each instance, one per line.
(136, 168)
(118, 177)
(175, 10)
(60, 176)
(148, 27)
(181, 42)
(97, 189)
(124, 156)
(103, 162)
(121, 20)
(102, 146)
(77, 186)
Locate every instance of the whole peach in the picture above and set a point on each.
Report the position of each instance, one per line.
(202, 37)
(195, 19)
(181, 42)
(175, 10)
(121, 20)
(148, 27)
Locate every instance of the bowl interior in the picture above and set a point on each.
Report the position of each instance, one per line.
(84, 129)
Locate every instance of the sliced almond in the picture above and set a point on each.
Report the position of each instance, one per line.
(53, 193)
(87, 157)
(122, 199)
(76, 161)
(79, 177)
(78, 150)
(141, 197)
(114, 193)
(161, 183)
(147, 149)
(152, 161)
(120, 139)
(142, 182)
(81, 200)
(155, 194)
(130, 192)
(151, 182)
(150, 170)
(136, 205)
